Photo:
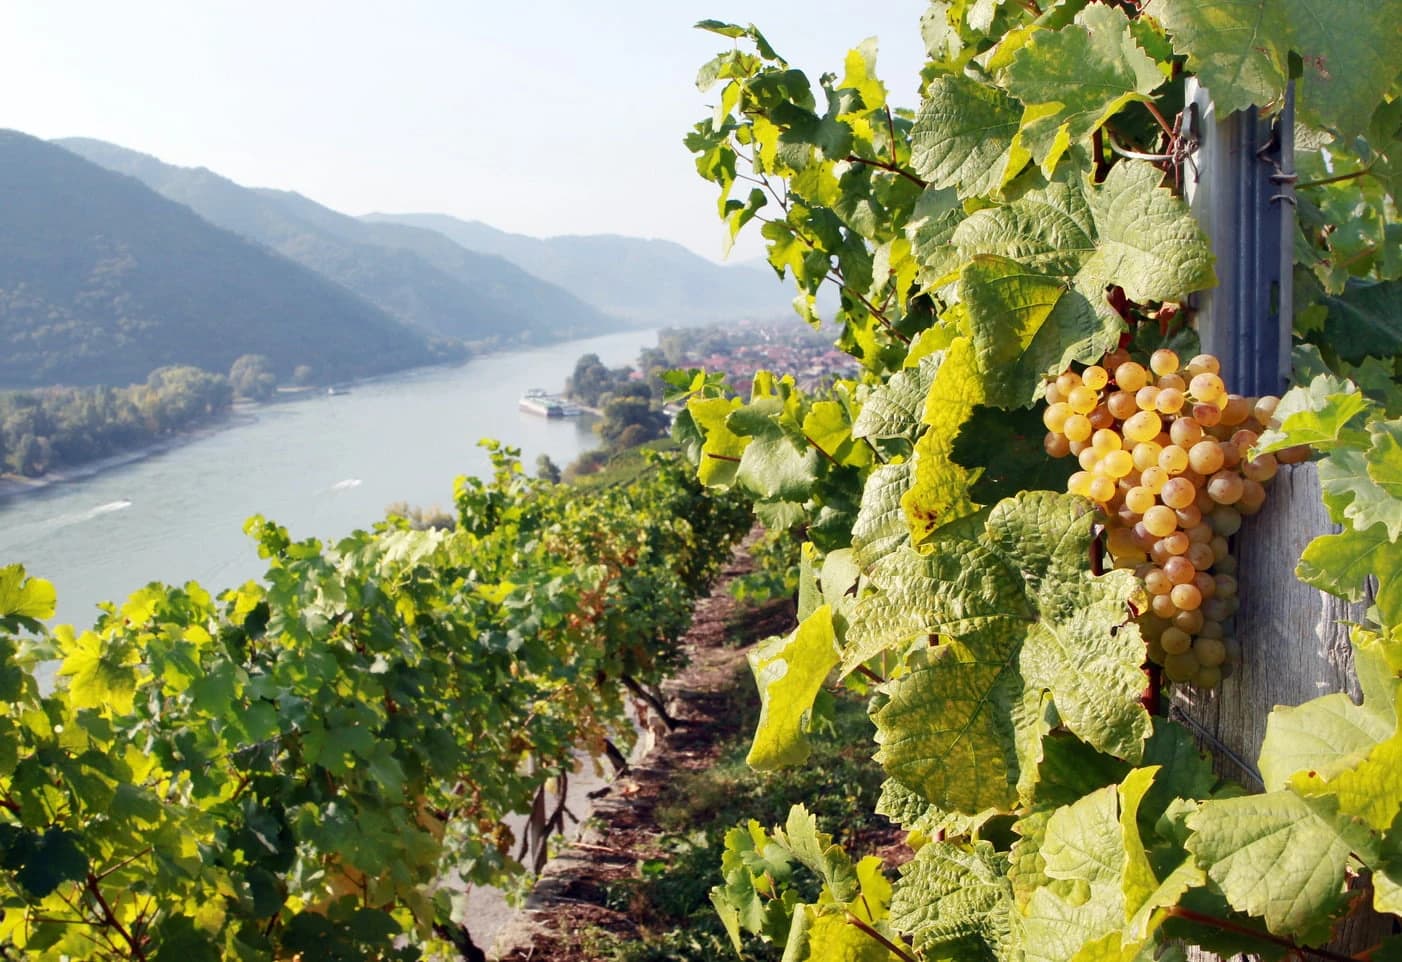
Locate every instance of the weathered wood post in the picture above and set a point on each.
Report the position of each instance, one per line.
(1294, 638)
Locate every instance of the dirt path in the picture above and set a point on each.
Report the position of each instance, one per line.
(568, 899)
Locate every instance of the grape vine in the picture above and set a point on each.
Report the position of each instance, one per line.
(317, 766)
(1016, 270)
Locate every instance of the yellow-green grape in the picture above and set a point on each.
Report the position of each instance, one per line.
(1226, 586)
(1170, 400)
(1264, 411)
(1210, 629)
(1174, 459)
(1189, 517)
(1206, 387)
(1088, 457)
(1082, 399)
(1053, 394)
(1237, 410)
(1225, 487)
(1101, 489)
(1147, 398)
(1079, 483)
(1204, 364)
(1054, 417)
(1189, 621)
(1199, 554)
(1077, 428)
(1181, 668)
(1175, 543)
(1066, 381)
(1105, 441)
(1177, 492)
(1208, 678)
(1175, 641)
(1171, 382)
(1160, 521)
(1186, 597)
(1261, 468)
(1185, 432)
(1139, 499)
(1206, 457)
(1141, 427)
(1146, 454)
(1095, 377)
(1156, 582)
(1253, 497)
(1244, 439)
(1179, 569)
(1131, 376)
(1154, 478)
(1162, 606)
(1056, 445)
(1207, 415)
(1116, 464)
(1163, 361)
(1121, 405)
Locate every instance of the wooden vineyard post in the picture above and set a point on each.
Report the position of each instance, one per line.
(1294, 638)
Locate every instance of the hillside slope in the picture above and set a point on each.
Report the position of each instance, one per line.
(651, 282)
(416, 275)
(102, 280)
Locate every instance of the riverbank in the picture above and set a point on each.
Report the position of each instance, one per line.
(14, 486)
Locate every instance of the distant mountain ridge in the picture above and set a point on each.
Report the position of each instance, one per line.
(416, 275)
(653, 282)
(102, 280)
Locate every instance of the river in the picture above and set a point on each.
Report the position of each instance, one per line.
(322, 466)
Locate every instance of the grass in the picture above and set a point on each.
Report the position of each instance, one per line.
(839, 783)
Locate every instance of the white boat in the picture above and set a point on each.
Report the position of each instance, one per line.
(536, 401)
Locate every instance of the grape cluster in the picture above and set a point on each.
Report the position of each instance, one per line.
(1164, 453)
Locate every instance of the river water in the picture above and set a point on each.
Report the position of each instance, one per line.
(322, 466)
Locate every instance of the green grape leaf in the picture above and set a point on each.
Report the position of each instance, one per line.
(1371, 790)
(1006, 307)
(1237, 48)
(955, 901)
(1364, 320)
(939, 489)
(21, 597)
(1341, 564)
(775, 467)
(893, 410)
(1006, 449)
(1280, 857)
(1050, 230)
(102, 675)
(1330, 734)
(723, 448)
(1029, 618)
(1353, 496)
(815, 850)
(41, 863)
(1073, 80)
(1317, 414)
(880, 527)
(789, 673)
(1350, 50)
(963, 136)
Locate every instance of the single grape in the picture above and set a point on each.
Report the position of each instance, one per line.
(1121, 404)
(1142, 427)
(1207, 415)
(1293, 455)
(1218, 609)
(1056, 445)
(1175, 641)
(1160, 521)
(1225, 487)
(1079, 483)
(1178, 492)
(1101, 417)
(1105, 440)
(1231, 454)
(1185, 432)
(1163, 361)
(1101, 488)
(1189, 621)
(1139, 499)
(1180, 570)
(1067, 381)
(1264, 411)
(1205, 457)
(1200, 555)
(1114, 359)
(1087, 457)
(1206, 387)
(1174, 459)
(1186, 597)
(1147, 397)
(1226, 586)
(1238, 409)
(1169, 401)
(1131, 376)
(1154, 478)
(1206, 584)
(1208, 678)
(1095, 377)
(1204, 364)
(1260, 468)
(1082, 399)
(1244, 439)
(1156, 582)
(1117, 464)
(1210, 629)
(1146, 454)
(1181, 668)
(1077, 428)
(1253, 497)
(1162, 605)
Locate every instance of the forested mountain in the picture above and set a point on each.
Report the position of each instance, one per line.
(103, 280)
(652, 282)
(417, 275)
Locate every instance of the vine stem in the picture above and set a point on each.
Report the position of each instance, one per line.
(891, 946)
(110, 918)
(1338, 177)
(1188, 915)
(887, 166)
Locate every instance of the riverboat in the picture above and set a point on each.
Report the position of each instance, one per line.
(536, 401)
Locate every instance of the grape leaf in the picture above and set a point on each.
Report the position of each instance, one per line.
(1317, 414)
(963, 136)
(1029, 618)
(1341, 564)
(1074, 79)
(21, 597)
(1364, 320)
(881, 527)
(956, 902)
(721, 452)
(1007, 448)
(1280, 857)
(102, 674)
(1371, 790)
(1237, 48)
(939, 490)
(789, 672)
(893, 410)
(1353, 496)
(1006, 307)
(1050, 229)
(1350, 50)
(1330, 734)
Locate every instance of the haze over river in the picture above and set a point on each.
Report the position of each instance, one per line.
(321, 466)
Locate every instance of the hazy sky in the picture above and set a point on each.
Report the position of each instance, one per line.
(537, 116)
